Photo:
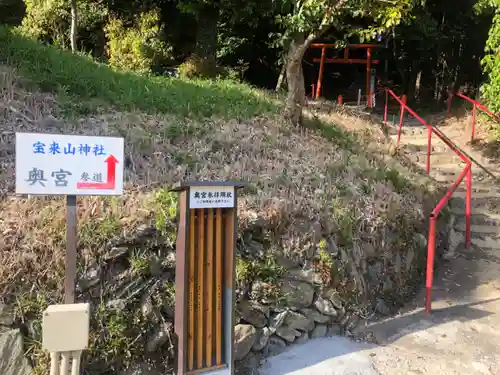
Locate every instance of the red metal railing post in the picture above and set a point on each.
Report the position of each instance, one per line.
(474, 108)
(320, 75)
(386, 106)
(431, 245)
(468, 196)
(401, 118)
(429, 149)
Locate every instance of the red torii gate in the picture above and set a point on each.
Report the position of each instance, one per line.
(346, 60)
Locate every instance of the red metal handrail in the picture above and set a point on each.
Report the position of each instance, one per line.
(475, 106)
(466, 173)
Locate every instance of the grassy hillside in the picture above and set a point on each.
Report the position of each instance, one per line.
(82, 86)
(319, 195)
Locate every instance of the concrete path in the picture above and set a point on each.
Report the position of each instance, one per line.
(462, 335)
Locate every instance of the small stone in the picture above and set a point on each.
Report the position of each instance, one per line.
(249, 365)
(90, 278)
(245, 336)
(334, 330)
(302, 339)
(336, 301)
(255, 249)
(254, 313)
(319, 331)
(116, 253)
(160, 337)
(340, 314)
(278, 320)
(374, 270)
(382, 308)
(6, 315)
(298, 321)
(388, 285)
(287, 333)
(325, 307)
(143, 231)
(333, 296)
(307, 275)
(276, 346)
(315, 315)
(146, 306)
(421, 240)
(351, 323)
(262, 340)
(170, 259)
(117, 304)
(297, 293)
(12, 359)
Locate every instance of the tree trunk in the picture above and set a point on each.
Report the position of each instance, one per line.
(281, 78)
(74, 25)
(206, 40)
(295, 78)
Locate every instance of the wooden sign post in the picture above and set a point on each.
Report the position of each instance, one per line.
(68, 165)
(204, 279)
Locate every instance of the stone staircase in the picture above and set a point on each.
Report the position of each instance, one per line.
(461, 335)
(446, 167)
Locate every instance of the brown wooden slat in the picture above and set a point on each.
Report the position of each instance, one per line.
(210, 287)
(191, 298)
(200, 263)
(218, 286)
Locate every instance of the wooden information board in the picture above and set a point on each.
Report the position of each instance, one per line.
(204, 291)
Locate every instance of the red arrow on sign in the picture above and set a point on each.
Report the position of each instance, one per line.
(111, 177)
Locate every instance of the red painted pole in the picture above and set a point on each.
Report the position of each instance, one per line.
(313, 94)
(320, 75)
(401, 117)
(430, 263)
(368, 76)
(340, 100)
(473, 122)
(386, 106)
(468, 196)
(429, 148)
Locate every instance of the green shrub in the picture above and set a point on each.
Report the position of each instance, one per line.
(138, 48)
(491, 66)
(197, 67)
(49, 21)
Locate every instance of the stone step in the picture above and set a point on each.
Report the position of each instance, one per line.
(488, 243)
(478, 219)
(479, 229)
(478, 205)
(478, 195)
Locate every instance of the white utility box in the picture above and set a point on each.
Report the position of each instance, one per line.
(66, 327)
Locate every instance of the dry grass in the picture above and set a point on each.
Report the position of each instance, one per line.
(292, 177)
(308, 185)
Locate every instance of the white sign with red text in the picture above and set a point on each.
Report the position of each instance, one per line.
(54, 164)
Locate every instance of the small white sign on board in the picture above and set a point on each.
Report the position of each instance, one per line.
(54, 164)
(211, 197)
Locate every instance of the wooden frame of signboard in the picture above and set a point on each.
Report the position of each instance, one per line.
(204, 278)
